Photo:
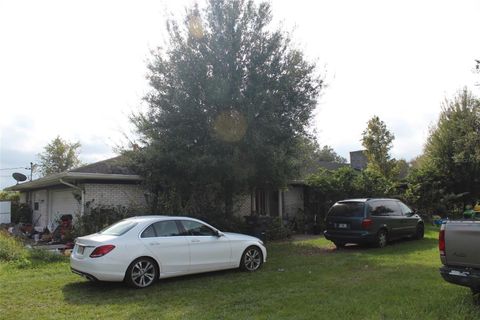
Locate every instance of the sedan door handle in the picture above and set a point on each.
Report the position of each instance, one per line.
(195, 240)
(154, 243)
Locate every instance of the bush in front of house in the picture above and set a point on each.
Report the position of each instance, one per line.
(96, 218)
(11, 248)
(21, 212)
(276, 230)
(267, 228)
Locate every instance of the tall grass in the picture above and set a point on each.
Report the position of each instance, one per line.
(13, 250)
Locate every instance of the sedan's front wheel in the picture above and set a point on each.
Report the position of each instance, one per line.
(252, 259)
(142, 273)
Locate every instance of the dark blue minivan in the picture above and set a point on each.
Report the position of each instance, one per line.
(371, 221)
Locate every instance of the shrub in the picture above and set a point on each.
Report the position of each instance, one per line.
(276, 230)
(21, 212)
(11, 248)
(97, 218)
(38, 255)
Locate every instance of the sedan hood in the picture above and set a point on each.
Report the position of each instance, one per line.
(238, 236)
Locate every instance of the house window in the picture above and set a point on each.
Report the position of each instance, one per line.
(35, 206)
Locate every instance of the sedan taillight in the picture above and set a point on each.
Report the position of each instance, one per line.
(102, 250)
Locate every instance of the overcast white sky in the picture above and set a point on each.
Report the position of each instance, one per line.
(77, 68)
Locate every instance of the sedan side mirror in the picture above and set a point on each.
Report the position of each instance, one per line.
(219, 233)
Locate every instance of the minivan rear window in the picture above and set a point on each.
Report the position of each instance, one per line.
(347, 209)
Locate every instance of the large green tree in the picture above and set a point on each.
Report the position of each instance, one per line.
(378, 141)
(58, 156)
(231, 99)
(453, 146)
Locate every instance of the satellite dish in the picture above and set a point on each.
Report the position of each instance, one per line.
(19, 176)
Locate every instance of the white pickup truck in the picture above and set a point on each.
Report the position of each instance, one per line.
(459, 244)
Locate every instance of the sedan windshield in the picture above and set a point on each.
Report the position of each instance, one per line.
(347, 209)
(118, 228)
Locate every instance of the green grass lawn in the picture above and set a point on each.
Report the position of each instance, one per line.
(302, 280)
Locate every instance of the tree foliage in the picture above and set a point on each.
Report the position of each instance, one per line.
(58, 156)
(329, 186)
(454, 144)
(377, 140)
(9, 196)
(448, 173)
(230, 101)
(326, 153)
(310, 155)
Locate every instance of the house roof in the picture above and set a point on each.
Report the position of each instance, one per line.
(114, 170)
(114, 165)
(314, 167)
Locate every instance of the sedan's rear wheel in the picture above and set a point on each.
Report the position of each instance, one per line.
(252, 259)
(142, 273)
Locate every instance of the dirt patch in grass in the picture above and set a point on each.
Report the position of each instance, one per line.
(312, 250)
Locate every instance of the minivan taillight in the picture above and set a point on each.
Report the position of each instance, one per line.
(367, 223)
(441, 240)
(101, 251)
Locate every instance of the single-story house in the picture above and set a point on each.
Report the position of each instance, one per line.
(112, 183)
(107, 182)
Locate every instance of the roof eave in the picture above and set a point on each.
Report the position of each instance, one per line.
(55, 179)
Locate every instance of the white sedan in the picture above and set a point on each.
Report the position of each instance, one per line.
(140, 250)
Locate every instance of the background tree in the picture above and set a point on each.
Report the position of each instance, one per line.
(230, 102)
(377, 140)
(310, 154)
(401, 169)
(453, 145)
(58, 156)
(326, 153)
(329, 186)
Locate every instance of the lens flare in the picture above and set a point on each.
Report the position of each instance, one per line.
(195, 27)
(230, 126)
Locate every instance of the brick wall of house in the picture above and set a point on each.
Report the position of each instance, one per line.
(244, 206)
(126, 195)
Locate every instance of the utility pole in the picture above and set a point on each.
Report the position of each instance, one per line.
(33, 166)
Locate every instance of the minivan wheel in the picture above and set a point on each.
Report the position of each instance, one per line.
(141, 273)
(420, 232)
(381, 240)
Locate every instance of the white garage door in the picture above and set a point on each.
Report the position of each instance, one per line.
(62, 202)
